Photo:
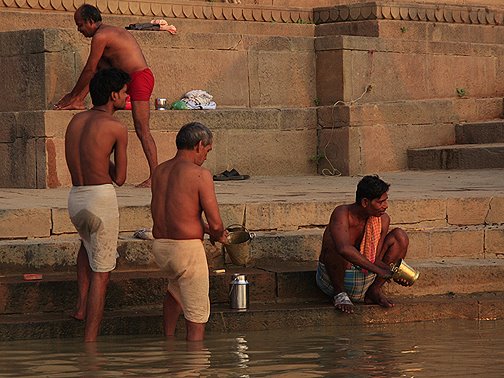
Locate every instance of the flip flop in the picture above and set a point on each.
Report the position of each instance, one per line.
(144, 233)
(233, 174)
(342, 299)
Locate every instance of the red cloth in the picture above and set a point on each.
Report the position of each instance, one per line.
(371, 238)
(141, 85)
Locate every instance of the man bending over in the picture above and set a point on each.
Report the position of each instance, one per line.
(91, 137)
(357, 248)
(115, 47)
(181, 191)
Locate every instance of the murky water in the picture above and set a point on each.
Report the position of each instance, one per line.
(438, 349)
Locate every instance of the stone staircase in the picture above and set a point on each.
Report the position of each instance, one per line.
(454, 221)
(336, 80)
(478, 145)
(302, 87)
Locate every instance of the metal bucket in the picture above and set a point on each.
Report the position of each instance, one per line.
(403, 271)
(239, 292)
(238, 248)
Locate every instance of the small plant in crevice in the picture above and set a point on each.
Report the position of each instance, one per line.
(404, 29)
(316, 101)
(461, 92)
(316, 158)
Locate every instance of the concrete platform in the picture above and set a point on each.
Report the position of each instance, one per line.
(455, 220)
(145, 320)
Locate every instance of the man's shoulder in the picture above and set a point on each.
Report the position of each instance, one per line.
(105, 31)
(341, 209)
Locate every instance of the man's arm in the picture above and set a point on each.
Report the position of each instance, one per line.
(76, 97)
(118, 169)
(210, 207)
(340, 234)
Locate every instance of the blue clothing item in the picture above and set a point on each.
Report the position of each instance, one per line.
(355, 281)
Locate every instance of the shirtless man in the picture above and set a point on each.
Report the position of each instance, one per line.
(357, 248)
(181, 191)
(91, 137)
(115, 47)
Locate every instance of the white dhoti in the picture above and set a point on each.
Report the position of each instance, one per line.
(186, 265)
(94, 212)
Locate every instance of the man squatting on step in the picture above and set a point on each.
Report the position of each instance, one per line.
(91, 137)
(181, 191)
(357, 248)
(115, 47)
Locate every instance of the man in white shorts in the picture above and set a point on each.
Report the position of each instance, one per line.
(91, 137)
(181, 191)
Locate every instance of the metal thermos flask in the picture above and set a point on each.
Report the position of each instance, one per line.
(239, 292)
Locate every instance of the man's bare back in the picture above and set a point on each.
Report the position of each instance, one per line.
(176, 209)
(120, 49)
(90, 139)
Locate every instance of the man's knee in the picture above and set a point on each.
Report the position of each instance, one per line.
(400, 236)
(101, 277)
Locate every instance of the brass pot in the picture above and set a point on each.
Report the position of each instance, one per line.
(404, 272)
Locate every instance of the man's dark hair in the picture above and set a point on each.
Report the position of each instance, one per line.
(191, 134)
(370, 187)
(105, 82)
(89, 13)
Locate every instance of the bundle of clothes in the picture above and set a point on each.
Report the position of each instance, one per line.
(195, 99)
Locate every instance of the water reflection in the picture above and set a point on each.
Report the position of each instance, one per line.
(440, 349)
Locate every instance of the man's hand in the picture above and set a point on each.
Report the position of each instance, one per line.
(386, 274)
(68, 102)
(223, 239)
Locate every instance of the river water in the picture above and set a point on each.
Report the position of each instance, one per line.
(452, 348)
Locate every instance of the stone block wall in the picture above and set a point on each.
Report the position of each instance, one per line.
(238, 70)
(386, 76)
(405, 89)
(255, 142)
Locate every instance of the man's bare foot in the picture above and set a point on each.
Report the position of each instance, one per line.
(145, 184)
(343, 303)
(77, 316)
(74, 106)
(377, 297)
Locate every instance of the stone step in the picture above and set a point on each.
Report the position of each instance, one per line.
(147, 320)
(252, 69)
(422, 200)
(457, 156)
(480, 132)
(279, 282)
(58, 254)
(253, 141)
(283, 282)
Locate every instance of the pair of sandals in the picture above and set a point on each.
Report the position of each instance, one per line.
(233, 174)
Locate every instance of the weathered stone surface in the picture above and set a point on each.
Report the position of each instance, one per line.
(467, 211)
(22, 223)
(456, 276)
(494, 243)
(480, 132)
(268, 135)
(418, 212)
(495, 213)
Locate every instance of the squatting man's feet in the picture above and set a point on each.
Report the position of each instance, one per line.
(343, 303)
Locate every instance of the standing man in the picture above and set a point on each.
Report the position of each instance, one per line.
(357, 248)
(90, 139)
(115, 47)
(181, 191)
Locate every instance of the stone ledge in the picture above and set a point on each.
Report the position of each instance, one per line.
(176, 9)
(442, 13)
(148, 319)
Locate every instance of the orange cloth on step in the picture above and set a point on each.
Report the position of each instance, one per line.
(371, 238)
